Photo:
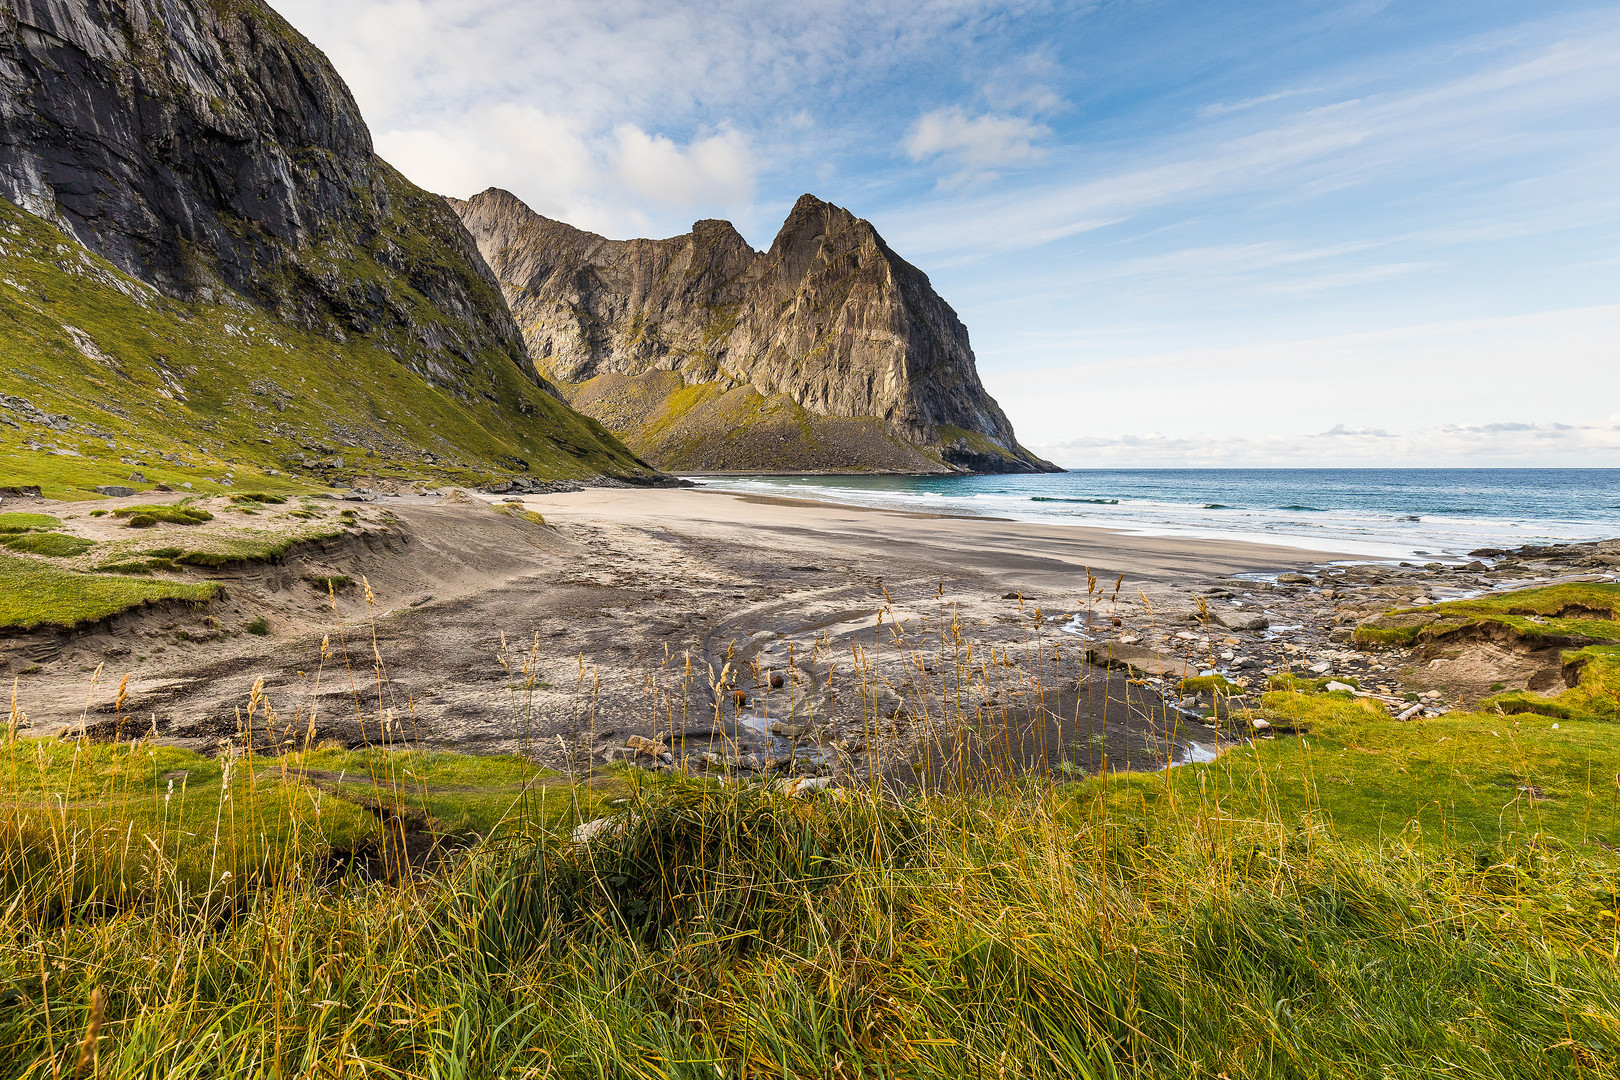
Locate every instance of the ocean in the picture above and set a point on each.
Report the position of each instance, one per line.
(1372, 513)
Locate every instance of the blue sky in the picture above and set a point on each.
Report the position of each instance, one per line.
(1181, 233)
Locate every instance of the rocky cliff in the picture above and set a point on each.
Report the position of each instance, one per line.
(205, 148)
(828, 351)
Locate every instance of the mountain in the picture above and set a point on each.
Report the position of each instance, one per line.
(215, 266)
(828, 352)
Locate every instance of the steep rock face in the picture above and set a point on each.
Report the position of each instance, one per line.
(829, 319)
(207, 149)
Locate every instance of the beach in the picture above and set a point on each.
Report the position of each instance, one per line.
(771, 633)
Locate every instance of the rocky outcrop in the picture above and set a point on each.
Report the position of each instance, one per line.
(829, 336)
(209, 150)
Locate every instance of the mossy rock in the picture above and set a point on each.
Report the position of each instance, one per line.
(1210, 684)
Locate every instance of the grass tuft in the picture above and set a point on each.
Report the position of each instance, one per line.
(54, 545)
(167, 515)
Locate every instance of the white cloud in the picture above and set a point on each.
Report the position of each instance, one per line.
(1221, 108)
(1499, 110)
(974, 148)
(606, 182)
(674, 109)
(714, 170)
(1501, 445)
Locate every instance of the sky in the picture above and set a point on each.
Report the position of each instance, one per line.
(1182, 234)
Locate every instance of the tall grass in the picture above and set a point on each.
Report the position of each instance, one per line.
(1195, 922)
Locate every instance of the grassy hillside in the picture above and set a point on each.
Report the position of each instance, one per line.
(721, 427)
(101, 376)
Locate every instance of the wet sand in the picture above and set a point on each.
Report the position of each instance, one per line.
(884, 633)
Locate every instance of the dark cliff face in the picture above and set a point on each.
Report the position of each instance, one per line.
(204, 145)
(830, 317)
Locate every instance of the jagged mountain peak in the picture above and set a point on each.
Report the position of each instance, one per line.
(828, 325)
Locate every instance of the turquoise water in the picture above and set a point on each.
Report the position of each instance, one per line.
(1378, 513)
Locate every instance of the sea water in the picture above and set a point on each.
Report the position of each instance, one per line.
(1372, 513)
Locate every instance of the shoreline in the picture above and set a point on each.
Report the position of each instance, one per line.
(1401, 522)
(771, 633)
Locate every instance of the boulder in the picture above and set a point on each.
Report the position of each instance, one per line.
(643, 747)
(114, 491)
(1237, 619)
(603, 826)
(1141, 660)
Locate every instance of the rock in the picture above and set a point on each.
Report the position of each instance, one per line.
(890, 382)
(1476, 566)
(1295, 579)
(209, 151)
(1236, 619)
(1336, 686)
(114, 491)
(803, 786)
(1260, 725)
(602, 826)
(137, 478)
(1245, 663)
(1341, 635)
(164, 488)
(643, 747)
(1321, 668)
(1141, 660)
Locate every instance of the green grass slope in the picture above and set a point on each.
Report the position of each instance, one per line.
(721, 427)
(1565, 614)
(102, 376)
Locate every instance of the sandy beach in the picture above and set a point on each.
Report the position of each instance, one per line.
(853, 636)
